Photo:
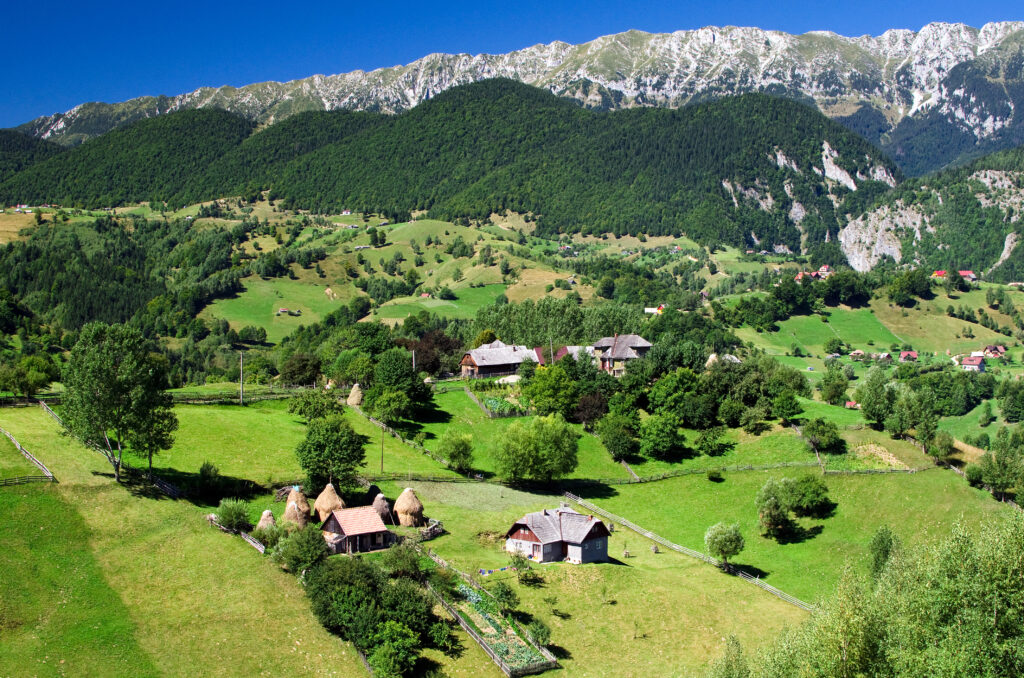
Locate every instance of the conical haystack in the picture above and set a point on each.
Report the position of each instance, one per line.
(327, 501)
(355, 396)
(293, 514)
(266, 520)
(300, 500)
(409, 509)
(371, 493)
(383, 509)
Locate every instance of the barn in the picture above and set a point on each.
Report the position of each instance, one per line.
(558, 534)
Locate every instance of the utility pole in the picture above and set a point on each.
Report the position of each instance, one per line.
(241, 381)
(414, 362)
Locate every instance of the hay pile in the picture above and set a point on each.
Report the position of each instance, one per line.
(300, 500)
(371, 493)
(293, 514)
(383, 509)
(266, 520)
(355, 396)
(409, 509)
(327, 501)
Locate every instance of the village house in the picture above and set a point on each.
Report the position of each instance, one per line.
(495, 359)
(993, 351)
(908, 356)
(612, 353)
(857, 355)
(882, 358)
(355, 530)
(973, 363)
(968, 275)
(558, 534)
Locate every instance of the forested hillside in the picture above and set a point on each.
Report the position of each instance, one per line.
(150, 159)
(964, 218)
(745, 170)
(18, 151)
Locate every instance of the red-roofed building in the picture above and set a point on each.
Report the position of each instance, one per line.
(939, 274)
(355, 530)
(908, 356)
(968, 275)
(973, 363)
(994, 351)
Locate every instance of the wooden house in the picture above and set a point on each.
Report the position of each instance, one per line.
(355, 530)
(908, 356)
(612, 353)
(495, 359)
(559, 534)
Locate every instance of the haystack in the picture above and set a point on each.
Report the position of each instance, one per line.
(266, 520)
(371, 493)
(383, 509)
(300, 500)
(293, 514)
(355, 396)
(327, 501)
(409, 509)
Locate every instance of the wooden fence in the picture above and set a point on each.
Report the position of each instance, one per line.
(246, 537)
(491, 414)
(167, 488)
(782, 595)
(47, 476)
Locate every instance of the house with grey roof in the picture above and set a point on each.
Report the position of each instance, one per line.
(612, 353)
(495, 359)
(558, 534)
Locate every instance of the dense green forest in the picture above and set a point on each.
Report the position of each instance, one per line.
(18, 151)
(487, 147)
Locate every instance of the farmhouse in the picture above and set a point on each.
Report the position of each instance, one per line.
(973, 363)
(992, 351)
(558, 534)
(613, 353)
(968, 275)
(495, 358)
(355, 530)
(908, 356)
(857, 354)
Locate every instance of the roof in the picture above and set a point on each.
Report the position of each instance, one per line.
(574, 351)
(621, 346)
(359, 520)
(939, 274)
(561, 524)
(973, 360)
(497, 353)
(966, 274)
(908, 354)
(995, 348)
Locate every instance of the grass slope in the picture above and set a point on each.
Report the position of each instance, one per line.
(195, 597)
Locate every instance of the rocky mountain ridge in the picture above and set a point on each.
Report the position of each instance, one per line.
(901, 89)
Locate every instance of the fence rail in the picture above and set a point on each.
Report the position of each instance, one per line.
(28, 455)
(167, 488)
(23, 480)
(782, 595)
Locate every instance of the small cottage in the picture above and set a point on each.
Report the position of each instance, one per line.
(558, 534)
(355, 530)
(973, 363)
(495, 359)
(908, 356)
(612, 353)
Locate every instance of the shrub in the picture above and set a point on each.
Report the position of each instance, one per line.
(270, 537)
(233, 514)
(714, 475)
(210, 482)
(974, 475)
(809, 496)
(540, 632)
(303, 549)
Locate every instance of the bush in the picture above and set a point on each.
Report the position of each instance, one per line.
(714, 475)
(270, 537)
(809, 496)
(974, 475)
(303, 549)
(233, 514)
(209, 483)
(540, 632)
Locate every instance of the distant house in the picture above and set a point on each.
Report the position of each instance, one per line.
(654, 310)
(613, 353)
(857, 355)
(973, 363)
(495, 359)
(938, 274)
(852, 405)
(575, 352)
(883, 358)
(993, 351)
(355, 530)
(908, 356)
(968, 275)
(558, 534)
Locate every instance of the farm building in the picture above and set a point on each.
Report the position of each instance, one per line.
(558, 534)
(613, 353)
(494, 359)
(993, 351)
(973, 363)
(355, 530)
(908, 356)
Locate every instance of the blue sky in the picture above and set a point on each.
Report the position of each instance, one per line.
(59, 54)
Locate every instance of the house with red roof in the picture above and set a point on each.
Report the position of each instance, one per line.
(973, 363)
(908, 356)
(355, 530)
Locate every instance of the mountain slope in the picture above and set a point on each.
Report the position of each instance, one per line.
(157, 156)
(18, 151)
(966, 218)
(905, 90)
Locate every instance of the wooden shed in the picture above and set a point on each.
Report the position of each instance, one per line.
(355, 530)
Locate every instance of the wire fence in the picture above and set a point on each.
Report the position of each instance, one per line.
(782, 595)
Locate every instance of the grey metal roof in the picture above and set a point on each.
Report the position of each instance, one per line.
(501, 355)
(621, 346)
(561, 524)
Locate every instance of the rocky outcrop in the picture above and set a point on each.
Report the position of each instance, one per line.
(877, 234)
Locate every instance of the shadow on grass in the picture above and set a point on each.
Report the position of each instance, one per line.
(799, 534)
(748, 569)
(559, 652)
(137, 485)
(204, 493)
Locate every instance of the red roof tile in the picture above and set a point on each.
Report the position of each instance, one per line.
(359, 520)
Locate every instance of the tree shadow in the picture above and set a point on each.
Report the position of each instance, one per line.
(425, 666)
(798, 534)
(559, 651)
(137, 485)
(826, 509)
(202, 492)
(751, 570)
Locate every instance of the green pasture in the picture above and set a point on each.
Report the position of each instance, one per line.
(917, 507)
(112, 580)
(653, 614)
(13, 463)
(469, 300)
(258, 305)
